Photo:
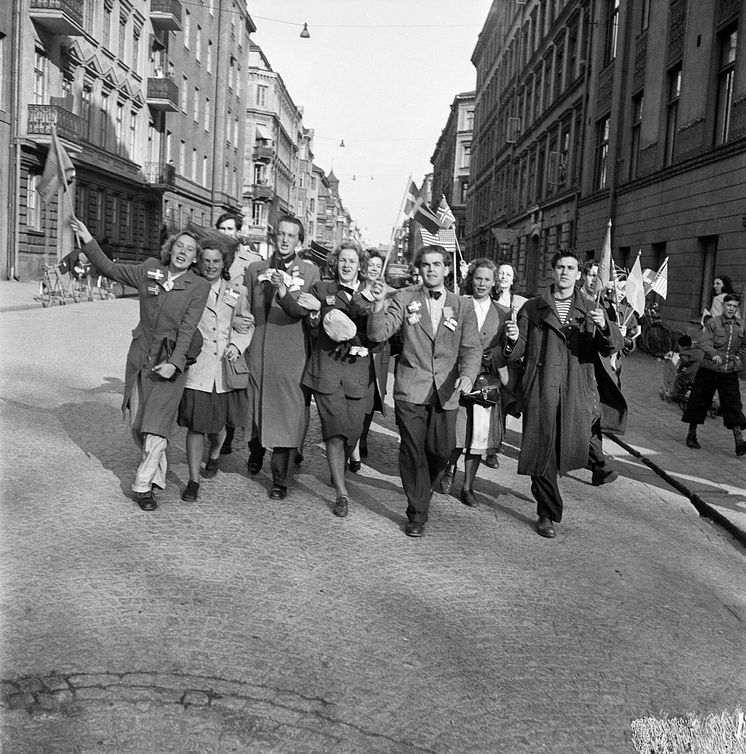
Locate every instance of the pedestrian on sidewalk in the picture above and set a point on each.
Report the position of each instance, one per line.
(278, 405)
(440, 360)
(724, 345)
(210, 404)
(172, 298)
(479, 421)
(607, 380)
(559, 334)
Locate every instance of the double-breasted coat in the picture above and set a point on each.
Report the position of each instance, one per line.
(430, 359)
(560, 394)
(277, 357)
(172, 315)
(216, 326)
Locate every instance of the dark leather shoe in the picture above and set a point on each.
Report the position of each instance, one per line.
(278, 493)
(603, 476)
(468, 498)
(355, 466)
(341, 506)
(545, 527)
(190, 492)
(691, 442)
(492, 461)
(211, 468)
(254, 464)
(446, 483)
(299, 458)
(146, 501)
(414, 529)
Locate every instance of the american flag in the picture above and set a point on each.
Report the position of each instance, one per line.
(444, 238)
(660, 281)
(445, 216)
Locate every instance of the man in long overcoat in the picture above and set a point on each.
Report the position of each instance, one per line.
(440, 359)
(559, 335)
(278, 410)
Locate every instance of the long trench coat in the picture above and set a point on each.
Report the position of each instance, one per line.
(277, 358)
(560, 395)
(172, 314)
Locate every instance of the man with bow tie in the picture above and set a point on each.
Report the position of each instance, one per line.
(278, 411)
(440, 359)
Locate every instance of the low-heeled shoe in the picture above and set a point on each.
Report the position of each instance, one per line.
(341, 506)
(146, 500)
(414, 529)
(254, 464)
(545, 527)
(278, 493)
(211, 468)
(468, 498)
(446, 483)
(603, 476)
(190, 492)
(492, 461)
(355, 466)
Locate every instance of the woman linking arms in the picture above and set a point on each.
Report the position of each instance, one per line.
(339, 371)
(172, 297)
(209, 403)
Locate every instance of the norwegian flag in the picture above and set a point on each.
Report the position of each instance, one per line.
(444, 213)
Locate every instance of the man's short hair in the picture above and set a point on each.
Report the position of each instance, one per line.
(229, 216)
(432, 249)
(732, 297)
(564, 253)
(294, 221)
(588, 265)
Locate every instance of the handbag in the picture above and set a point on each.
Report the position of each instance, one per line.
(236, 373)
(486, 391)
(169, 344)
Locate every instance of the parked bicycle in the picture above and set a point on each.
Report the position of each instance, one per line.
(656, 338)
(56, 286)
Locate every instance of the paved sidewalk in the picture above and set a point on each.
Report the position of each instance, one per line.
(17, 295)
(713, 478)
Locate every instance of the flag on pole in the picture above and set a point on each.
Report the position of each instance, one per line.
(605, 265)
(445, 238)
(445, 215)
(59, 171)
(660, 281)
(422, 214)
(410, 198)
(635, 290)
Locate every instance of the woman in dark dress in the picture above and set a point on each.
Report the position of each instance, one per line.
(338, 371)
(172, 298)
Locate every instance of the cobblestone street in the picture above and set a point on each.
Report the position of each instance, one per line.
(239, 623)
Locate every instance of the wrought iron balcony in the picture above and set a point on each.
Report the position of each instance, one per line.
(262, 191)
(163, 94)
(263, 154)
(160, 173)
(41, 118)
(166, 14)
(58, 16)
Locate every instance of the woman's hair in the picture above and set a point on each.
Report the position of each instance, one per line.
(171, 240)
(727, 283)
(375, 254)
(515, 275)
(226, 252)
(473, 267)
(332, 260)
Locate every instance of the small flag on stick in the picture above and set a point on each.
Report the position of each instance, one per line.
(59, 171)
(444, 213)
(422, 214)
(444, 238)
(660, 281)
(635, 289)
(605, 265)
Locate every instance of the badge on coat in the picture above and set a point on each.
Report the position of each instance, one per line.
(230, 297)
(413, 319)
(154, 289)
(331, 300)
(450, 323)
(414, 306)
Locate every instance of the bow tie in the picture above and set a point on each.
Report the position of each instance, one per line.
(435, 294)
(347, 290)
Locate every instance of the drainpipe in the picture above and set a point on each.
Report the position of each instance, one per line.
(15, 152)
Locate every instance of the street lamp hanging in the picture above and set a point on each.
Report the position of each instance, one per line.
(305, 34)
(342, 143)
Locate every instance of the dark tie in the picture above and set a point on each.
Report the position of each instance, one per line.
(435, 294)
(349, 291)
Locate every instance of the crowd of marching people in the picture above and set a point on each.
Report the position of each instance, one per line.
(229, 340)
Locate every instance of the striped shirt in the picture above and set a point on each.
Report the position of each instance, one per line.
(563, 308)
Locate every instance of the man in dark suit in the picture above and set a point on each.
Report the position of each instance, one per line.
(440, 359)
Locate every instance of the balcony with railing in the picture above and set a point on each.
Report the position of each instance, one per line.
(262, 191)
(160, 174)
(263, 154)
(64, 17)
(41, 119)
(163, 94)
(166, 14)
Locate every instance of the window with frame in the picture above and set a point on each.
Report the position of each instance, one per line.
(672, 113)
(86, 112)
(469, 120)
(184, 91)
(33, 203)
(195, 164)
(196, 104)
(208, 62)
(612, 30)
(464, 191)
(645, 15)
(198, 44)
(136, 31)
(257, 214)
(103, 122)
(466, 155)
(169, 147)
(726, 74)
(88, 15)
(204, 169)
(634, 155)
(118, 125)
(182, 157)
(41, 76)
(261, 95)
(187, 27)
(208, 114)
(107, 25)
(132, 137)
(602, 151)
(121, 42)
